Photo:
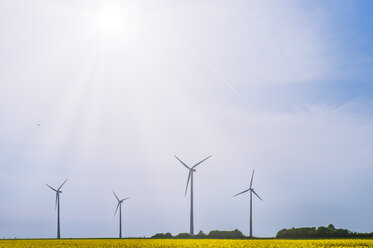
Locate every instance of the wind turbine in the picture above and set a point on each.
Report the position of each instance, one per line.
(190, 178)
(57, 205)
(120, 213)
(251, 203)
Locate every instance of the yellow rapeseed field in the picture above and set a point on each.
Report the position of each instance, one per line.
(204, 243)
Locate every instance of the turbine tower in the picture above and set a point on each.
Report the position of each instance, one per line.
(120, 213)
(251, 203)
(57, 205)
(190, 178)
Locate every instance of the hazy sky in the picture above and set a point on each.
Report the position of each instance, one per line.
(119, 87)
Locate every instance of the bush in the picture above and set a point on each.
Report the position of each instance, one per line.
(200, 235)
(183, 236)
(162, 236)
(235, 234)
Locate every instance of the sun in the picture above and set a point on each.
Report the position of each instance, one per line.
(113, 22)
(110, 20)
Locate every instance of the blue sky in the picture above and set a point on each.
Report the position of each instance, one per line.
(119, 88)
(353, 38)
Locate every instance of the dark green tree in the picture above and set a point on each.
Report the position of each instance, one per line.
(183, 236)
(200, 235)
(162, 236)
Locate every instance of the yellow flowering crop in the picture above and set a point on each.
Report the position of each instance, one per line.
(184, 243)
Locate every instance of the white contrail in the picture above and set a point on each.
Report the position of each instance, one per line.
(221, 78)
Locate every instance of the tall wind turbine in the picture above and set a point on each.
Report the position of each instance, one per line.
(57, 205)
(190, 178)
(251, 203)
(120, 213)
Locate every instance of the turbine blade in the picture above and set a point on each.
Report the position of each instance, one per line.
(117, 208)
(124, 199)
(186, 188)
(201, 162)
(257, 195)
(116, 196)
(51, 187)
(182, 162)
(241, 192)
(55, 206)
(62, 184)
(251, 182)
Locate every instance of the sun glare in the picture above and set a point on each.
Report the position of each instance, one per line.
(110, 20)
(113, 22)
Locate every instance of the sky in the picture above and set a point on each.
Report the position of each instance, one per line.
(120, 87)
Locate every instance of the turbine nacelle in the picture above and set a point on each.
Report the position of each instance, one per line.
(251, 189)
(119, 202)
(57, 190)
(191, 170)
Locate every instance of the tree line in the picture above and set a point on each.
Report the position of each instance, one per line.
(321, 232)
(215, 234)
(292, 233)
